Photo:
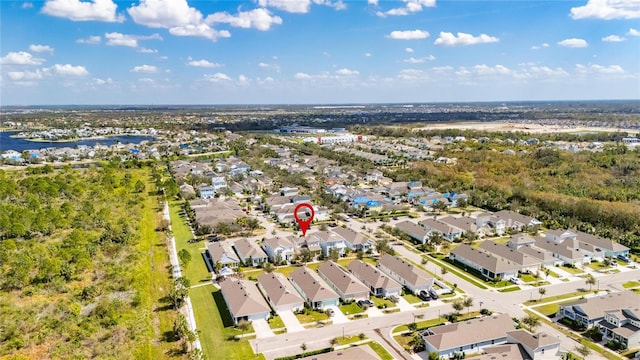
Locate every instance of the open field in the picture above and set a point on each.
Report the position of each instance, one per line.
(500, 126)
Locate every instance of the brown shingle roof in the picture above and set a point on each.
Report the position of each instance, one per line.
(279, 290)
(406, 270)
(312, 285)
(464, 333)
(243, 297)
(343, 280)
(372, 276)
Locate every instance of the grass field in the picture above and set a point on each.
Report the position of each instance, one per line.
(557, 297)
(276, 322)
(380, 350)
(548, 309)
(412, 299)
(630, 284)
(459, 273)
(510, 289)
(216, 327)
(350, 309)
(313, 316)
(572, 270)
(196, 271)
(377, 302)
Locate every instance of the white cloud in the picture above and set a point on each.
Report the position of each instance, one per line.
(600, 69)
(412, 74)
(538, 47)
(217, 77)
(302, 76)
(118, 39)
(613, 38)
(275, 67)
(164, 13)
(372, 2)
(101, 82)
(40, 48)
(347, 72)
(76, 10)
(260, 19)
(26, 5)
(368, 54)
(145, 69)
(408, 35)
(146, 81)
(291, 6)
(607, 10)
(25, 75)
(573, 43)
(20, 58)
(421, 60)
(147, 51)
(200, 30)
(203, 63)
(448, 39)
(633, 32)
(409, 50)
(67, 70)
(90, 40)
(411, 6)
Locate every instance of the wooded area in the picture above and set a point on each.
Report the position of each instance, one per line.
(84, 269)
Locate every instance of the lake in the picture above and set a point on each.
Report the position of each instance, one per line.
(20, 145)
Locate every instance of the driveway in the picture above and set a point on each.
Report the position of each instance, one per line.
(261, 328)
(290, 321)
(373, 311)
(338, 317)
(404, 305)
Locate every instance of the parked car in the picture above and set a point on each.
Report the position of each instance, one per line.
(424, 295)
(514, 280)
(434, 294)
(363, 303)
(331, 312)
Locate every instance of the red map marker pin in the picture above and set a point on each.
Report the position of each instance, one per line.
(303, 223)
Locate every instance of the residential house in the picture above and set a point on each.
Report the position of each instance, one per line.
(289, 191)
(244, 300)
(279, 249)
(355, 241)
(405, 273)
(468, 337)
(568, 252)
(465, 223)
(591, 311)
(250, 253)
(495, 223)
(343, 282)
(504, 351)
(414, 231)
(279, 292)
(380, 284)
(438, 228)
(519, 241)
(221, 255)
(356, 352)
(330, 240)
(206, 192)
(516, 221)
(538, 346)
(490, 266)
(610, 248)
(622, 326)
(218, 182)
(315, 291)
(526, 263)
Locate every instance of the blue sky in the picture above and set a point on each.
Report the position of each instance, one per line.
(316, 51)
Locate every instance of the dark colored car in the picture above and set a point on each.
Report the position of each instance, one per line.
(424, 295)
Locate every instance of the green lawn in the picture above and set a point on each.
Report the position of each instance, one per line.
(350, 309)
(215, 326)
(412, 299)
(276, 322)
(572, 270)
(528, 278)
(557, 297)
(553, 274)
(313, 316)
(380, 350)
(630, 284)
(196, 271)
(377, 302)
(348, 339)
(503, 283)
(421, 325)
(510, 289)
(548, 309)
(459, 273)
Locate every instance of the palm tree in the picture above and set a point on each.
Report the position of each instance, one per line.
(531, 321)
(590, 280)
(468, 303)
(583, 350)
(542, 291)
(444, 272)
(457, 305)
